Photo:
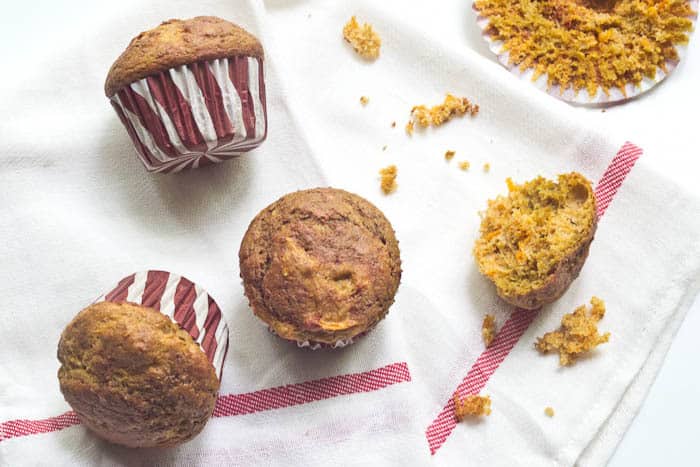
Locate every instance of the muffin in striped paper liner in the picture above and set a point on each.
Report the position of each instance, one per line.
(190, 93)
(141, 366)
(672, 19)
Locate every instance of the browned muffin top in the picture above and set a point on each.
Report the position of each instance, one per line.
(179, 42)
(134, 377)
(320, 265)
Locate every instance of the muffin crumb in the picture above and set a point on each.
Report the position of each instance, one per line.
(472, 406)
(364, 100)
(388, 175)
(384, 147)
(548, 411)
(487, 167)
(393, 124)
(409, 128)
(488, 329)
(464, 165)
(578, 333)
(449, 155)
(436, 115)
(363, 39)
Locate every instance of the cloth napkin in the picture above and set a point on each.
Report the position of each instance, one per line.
(80, 212)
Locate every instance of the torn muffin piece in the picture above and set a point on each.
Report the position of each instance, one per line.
(436, 115)
(472, 406)
(488, 329)
(363, 39)
(577, 335)
(388, 175)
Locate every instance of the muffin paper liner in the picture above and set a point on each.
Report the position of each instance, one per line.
(196, 114)
(582, 97)
(184, 302)
(313, 345)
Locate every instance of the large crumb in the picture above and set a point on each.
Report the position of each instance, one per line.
(438, 114)
(578, 333)
(363, 39)
(548, 411)
(587, 44)
(388, 179)
(488, 329)
(472, 406)
(449, 155)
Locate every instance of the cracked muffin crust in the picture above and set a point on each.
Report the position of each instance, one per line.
(134, 377)
(320, 265)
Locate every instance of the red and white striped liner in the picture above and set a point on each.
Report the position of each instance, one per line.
(440, 429)
(184, 302)
(196, 114)
(248, 403)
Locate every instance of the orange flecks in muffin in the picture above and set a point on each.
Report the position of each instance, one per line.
(364, 100)
(487, 167)
(488, 329)
(578, 333)
(388, 175)
(548, 411)
(449, 155)
(464, 165)
(438, 114)
(363, 39)
(409, 128)
(586, 44)
(472, 406)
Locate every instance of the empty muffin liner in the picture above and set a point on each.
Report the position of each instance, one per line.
(196, 114)
(184, 302)
(582, 96)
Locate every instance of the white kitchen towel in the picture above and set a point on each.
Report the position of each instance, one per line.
(80, 212)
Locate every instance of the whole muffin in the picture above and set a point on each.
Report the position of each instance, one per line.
(320, 266)
(134, 377)
(190, 93)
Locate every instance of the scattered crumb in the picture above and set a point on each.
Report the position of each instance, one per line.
(449, 155)
(409, 128)
(438, 114)
(472, 406)
(364, 100)
(487, 167)
(393, 124)
(488, 329)
(388, 179)
(578, 333)
(603, 110)
(384, 148)
(363, 39)
(464, 165)
(548, 411)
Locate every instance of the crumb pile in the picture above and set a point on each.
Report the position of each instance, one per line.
(363, 39)
(488, 329)
(578, 333)
(472, 406)
(388, 175)
(586, 44)
(528, 234)
(438, 114)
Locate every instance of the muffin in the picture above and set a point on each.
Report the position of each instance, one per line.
(588, 51)
(190, 93)
(535, 241)
(320, 266)
(141, 366)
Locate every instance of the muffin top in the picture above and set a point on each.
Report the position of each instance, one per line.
(179, 42)
(320, 265)
(134, 376)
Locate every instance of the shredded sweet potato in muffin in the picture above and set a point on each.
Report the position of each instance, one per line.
(472, 406)
(585, 44)
(363, 39)
(578, 333)
(488, 329)
(388, 175)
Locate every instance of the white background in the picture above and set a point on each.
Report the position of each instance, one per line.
(664, 122)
